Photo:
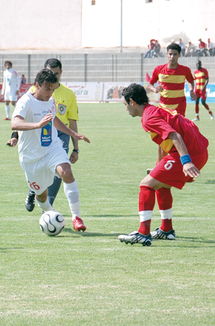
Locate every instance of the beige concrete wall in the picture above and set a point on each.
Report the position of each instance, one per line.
(40, 24)
(72, 24)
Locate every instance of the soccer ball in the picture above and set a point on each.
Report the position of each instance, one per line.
(52, 223)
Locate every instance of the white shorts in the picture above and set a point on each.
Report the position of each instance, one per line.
(10, 95)
(40, 174)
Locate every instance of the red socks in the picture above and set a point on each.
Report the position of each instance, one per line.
(146, 205)
(164, 199)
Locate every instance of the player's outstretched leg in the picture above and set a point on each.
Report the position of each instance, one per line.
(72, 194)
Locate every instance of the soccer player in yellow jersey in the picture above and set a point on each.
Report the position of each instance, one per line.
(66, 104)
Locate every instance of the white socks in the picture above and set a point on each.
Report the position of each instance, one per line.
(166, 214)
(45, 206)
(72, 195)
(7, 110)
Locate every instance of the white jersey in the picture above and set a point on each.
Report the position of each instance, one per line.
(11, 81)
(34, 144)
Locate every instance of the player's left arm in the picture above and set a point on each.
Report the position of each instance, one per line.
(62, 127)
(206, 80)
(74, 155)
(188, 167)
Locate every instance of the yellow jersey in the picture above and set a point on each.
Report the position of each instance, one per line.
(65, 99)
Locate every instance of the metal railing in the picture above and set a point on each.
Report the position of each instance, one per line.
(99, 67)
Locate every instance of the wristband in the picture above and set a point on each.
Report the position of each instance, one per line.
(185, 159)
(76, 150)
(15, 135)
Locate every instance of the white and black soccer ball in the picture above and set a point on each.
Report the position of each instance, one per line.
(52, 223)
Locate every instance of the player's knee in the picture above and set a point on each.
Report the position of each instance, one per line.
(66, 175)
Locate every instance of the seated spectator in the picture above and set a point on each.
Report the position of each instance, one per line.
(211, 48)
(202, 45)
(181, 43)
(156, 50)
(190, 50)
(151, 46)
(23, 79)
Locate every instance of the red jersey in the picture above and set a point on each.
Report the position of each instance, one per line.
(159, 123)
(201, 77)
(172, 82)
(202, 45)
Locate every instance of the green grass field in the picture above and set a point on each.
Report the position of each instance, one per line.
(91, 278)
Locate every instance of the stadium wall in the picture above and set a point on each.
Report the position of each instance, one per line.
(41, 24)
(65, 25)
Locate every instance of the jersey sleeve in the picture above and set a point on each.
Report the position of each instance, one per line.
(189, 75)
(206, 73)
(154, 77)
(159, 126)
(21, 108)
(73, 108)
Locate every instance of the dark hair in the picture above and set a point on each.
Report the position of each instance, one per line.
(53, 63)
(136, 92)
(174, 46)
(46, 75)
(9, 62)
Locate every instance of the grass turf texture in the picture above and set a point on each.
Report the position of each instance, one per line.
(91, 278)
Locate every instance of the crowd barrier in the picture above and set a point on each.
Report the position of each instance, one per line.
(111, 92)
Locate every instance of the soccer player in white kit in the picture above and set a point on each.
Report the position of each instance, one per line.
(41, 153)
(10, 88)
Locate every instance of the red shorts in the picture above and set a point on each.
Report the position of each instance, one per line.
(201, 94)
(170, 170)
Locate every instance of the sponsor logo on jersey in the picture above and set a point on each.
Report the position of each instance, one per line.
(46, 134)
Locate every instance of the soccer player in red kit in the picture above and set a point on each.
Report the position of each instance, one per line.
(171, 79)
(187, 149)
(202, 79)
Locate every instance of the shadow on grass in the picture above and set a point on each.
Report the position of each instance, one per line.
(192, 239)
(7, 249)
(91, 234)
(209, 182)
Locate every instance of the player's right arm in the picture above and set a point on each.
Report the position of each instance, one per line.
(156, 89)
(153, 80)
(188, 167)
(18, 123)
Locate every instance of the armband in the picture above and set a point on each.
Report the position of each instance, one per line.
(15, 135)
(185, 159)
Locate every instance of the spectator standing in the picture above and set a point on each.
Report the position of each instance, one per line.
(211, 48)
(181, 43)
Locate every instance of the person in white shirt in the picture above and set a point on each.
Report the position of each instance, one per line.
(211, 48)
(40, 150)
(10, 88)
(181, 43)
